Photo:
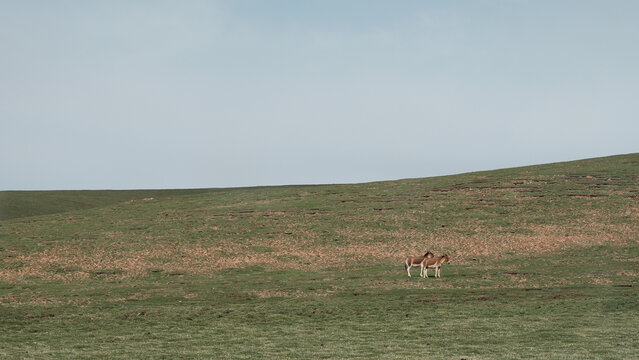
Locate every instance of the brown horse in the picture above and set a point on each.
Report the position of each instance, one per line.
(435, 263)
(417, 261)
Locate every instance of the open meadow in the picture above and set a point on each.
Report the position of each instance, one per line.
(544, 264)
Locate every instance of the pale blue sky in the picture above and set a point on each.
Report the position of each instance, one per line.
(181, 94)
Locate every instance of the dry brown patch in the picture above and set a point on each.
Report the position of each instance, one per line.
(8, 299)
(46, 301)
(47, 264)
(597, 280)
(114, 234)
(270, 293)
(292, 249)
(136, 296)
(402, 243)
(628, 273)
(291, 293)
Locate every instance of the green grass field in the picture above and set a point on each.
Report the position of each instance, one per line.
(545, 262)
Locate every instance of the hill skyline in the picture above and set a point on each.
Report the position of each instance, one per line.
(543, 261)
(39, 202)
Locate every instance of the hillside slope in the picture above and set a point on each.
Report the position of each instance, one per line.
(544, 265)
(513, 211)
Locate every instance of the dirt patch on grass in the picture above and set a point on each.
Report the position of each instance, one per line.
(399, 244)
(137, 297)
(12, 300)
(597, 280)
(628, 273)
(299, 246)
(292, 293)
(71, 263)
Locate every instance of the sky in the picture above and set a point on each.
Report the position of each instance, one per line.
(194, 94)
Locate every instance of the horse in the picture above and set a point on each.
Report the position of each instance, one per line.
(417, 261)
(435, 263)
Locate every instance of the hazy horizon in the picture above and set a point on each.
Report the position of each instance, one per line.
(319, 184)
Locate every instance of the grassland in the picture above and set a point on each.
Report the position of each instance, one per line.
(545, 261)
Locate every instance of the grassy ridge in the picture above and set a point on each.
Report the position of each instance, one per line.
(544, 265)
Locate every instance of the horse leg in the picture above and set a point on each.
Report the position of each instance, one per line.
(408, 269)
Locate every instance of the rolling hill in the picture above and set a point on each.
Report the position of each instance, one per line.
(544, 259)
